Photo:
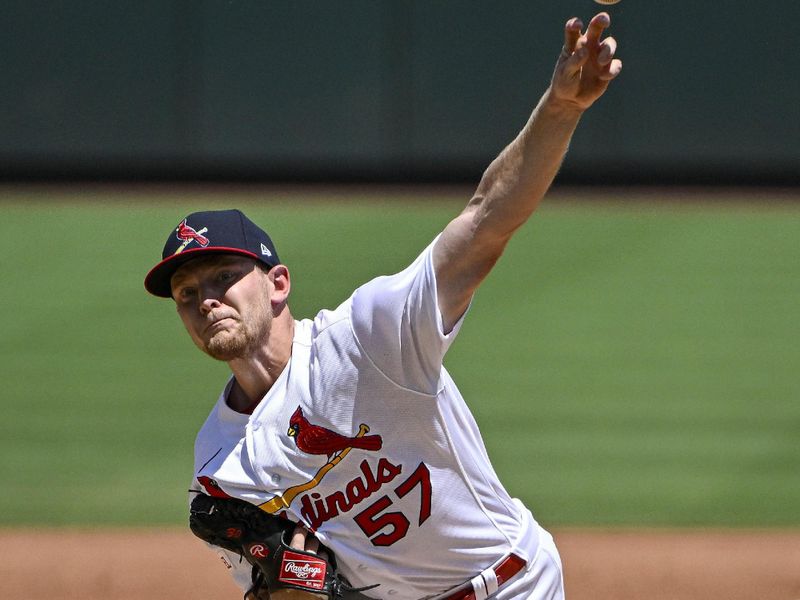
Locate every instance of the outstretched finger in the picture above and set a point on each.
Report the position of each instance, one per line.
(572, 32)
(608, 48)
(613, 70)
(574, 64)
(596, 26)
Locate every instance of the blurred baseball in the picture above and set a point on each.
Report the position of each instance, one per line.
(606, 1)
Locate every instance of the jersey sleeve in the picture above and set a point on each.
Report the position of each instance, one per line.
(397, 321)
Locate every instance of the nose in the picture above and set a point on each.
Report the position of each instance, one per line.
(208, 304)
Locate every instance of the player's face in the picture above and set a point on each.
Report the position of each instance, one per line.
(224, 303)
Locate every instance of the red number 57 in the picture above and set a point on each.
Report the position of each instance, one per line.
(372, 519)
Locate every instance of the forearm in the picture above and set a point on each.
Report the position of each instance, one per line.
(517, 180)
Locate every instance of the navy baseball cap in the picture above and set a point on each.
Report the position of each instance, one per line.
(209, 232)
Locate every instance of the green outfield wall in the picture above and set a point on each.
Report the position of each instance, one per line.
(387, 90)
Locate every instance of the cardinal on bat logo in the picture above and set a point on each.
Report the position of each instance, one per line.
(188, 234)
(314, 439)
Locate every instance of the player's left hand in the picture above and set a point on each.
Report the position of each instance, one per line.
(586, 64)
(301, 539)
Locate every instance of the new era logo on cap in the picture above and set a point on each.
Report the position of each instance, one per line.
(216, 231)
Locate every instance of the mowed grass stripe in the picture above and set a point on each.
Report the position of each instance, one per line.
(630, 366)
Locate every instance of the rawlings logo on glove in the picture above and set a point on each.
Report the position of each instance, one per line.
(303, 570)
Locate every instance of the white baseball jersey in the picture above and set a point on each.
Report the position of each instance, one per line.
(365, 438)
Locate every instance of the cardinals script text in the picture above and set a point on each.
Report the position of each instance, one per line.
(383, 528)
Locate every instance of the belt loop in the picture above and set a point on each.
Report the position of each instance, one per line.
(479, 587)
(490, 579)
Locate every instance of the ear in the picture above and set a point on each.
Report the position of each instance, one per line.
(281, 285)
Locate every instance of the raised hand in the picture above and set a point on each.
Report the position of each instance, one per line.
(586, 64)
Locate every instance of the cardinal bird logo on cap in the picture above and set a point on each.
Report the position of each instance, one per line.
(313, 439)
(189, 234)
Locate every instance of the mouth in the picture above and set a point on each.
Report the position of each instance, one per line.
(218, 324)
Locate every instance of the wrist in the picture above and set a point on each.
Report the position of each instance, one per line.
(560, 108)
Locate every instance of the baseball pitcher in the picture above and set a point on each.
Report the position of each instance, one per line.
(347, 425)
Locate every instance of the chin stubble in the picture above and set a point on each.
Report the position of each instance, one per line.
(244, 340)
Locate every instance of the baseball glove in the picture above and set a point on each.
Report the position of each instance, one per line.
(261, 539)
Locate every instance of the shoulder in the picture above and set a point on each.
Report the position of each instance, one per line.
(326, 324)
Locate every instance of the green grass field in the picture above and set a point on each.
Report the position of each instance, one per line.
(628, 364)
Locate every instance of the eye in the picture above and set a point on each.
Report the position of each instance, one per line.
(226, 276)
(185, 294)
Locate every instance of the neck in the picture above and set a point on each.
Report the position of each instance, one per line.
(255, 374)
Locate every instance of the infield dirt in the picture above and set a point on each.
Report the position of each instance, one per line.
(599, 565)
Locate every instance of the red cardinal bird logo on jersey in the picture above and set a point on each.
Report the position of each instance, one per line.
(314, 439)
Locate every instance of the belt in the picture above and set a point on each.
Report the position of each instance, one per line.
(489, 581)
